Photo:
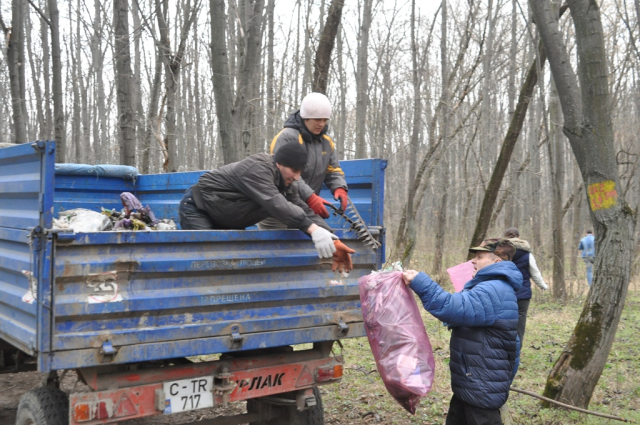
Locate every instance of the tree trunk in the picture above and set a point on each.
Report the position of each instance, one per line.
(172, 64)
(100, 125)
(250, 64)
(127, 139)
(441, 220)
(325, 47)
(271, 109)
(589, 129)
(15, 53)
(35, 80)
(222, 82)
(362, 81)
(58, 104)
(556, 165)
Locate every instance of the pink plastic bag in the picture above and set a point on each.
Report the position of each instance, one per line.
(397, 337)
(460, 274)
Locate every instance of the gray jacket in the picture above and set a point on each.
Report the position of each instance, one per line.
(241, 194)
(322, 166)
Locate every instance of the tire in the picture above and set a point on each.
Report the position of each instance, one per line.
(291, 415)
(43, 406)
(312, 416)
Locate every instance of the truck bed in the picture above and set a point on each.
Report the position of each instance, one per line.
(125, 297)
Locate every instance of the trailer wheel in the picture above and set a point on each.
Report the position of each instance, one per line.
(43, 406)
(290, 414)
(311, 416)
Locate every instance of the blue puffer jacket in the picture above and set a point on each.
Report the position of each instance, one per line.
(483, 318)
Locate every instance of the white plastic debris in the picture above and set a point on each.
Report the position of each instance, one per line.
(82, 221)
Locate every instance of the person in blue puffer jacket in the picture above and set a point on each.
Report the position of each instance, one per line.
(483, 318)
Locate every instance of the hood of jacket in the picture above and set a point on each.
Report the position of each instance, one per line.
(521, 244)
(296, 121)
(504, 270)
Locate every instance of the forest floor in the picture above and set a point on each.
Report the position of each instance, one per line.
(362, 399)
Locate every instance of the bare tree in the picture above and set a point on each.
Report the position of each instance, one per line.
(16, 62)
(234, 115)
(362, 80)
(441, 221)
(588, 126)
(325, 47)
(172, 63)
(127, 139)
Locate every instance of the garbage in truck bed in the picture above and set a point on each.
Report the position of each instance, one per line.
(133, 217)
(397, 337)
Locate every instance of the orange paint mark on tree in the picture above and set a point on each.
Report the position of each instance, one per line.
(603, 195)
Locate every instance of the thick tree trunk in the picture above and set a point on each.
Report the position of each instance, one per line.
(15, 52)
(362, 81)
(589, 129)
(325, 47)
(441, 222)
(35, 80)
(222, 82)
(58, 104)
(100, 123)
(127, 139)
(556, 165)
(248, 72)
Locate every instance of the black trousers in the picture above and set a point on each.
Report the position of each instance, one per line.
(461, 413)
(523, 308)
(193, 218)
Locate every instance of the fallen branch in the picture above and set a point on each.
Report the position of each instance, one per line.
(568, 406)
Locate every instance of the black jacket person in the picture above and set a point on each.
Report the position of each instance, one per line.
(239, 195)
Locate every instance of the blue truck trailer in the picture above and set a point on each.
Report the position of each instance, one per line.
(134, 313)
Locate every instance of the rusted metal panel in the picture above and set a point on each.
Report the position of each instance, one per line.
(140, 394)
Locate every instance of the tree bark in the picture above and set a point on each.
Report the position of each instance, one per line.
(234, 115)
(58, 104)
(124, 89)
(325, 47)
(362, 81)
(441, 221)
(172, 64)
(556, 166)
(222, 81)
(589, 129)
(15, 56)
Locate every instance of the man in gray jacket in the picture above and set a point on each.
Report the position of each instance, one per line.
(239, 195)
(308, 127)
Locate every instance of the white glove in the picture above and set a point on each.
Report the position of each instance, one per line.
(323, 239)
(545, 287)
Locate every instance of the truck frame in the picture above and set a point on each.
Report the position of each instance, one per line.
(159, 322)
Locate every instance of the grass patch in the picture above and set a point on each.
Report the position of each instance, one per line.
(361, 397)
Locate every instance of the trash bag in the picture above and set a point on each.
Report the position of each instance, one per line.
(397, 337)
(81, 220)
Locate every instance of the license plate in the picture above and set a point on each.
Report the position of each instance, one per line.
(188, 394)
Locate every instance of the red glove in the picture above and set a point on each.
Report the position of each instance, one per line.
(341, 194)
(341, 258)
(317, 204)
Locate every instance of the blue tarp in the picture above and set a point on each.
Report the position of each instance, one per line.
(106, 170)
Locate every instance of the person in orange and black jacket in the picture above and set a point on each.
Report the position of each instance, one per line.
(308, 127)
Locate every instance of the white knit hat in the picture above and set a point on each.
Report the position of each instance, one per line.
(315, 105)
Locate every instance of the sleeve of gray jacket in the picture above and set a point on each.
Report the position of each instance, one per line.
(335, 176)
(256, 182)
(281, 139)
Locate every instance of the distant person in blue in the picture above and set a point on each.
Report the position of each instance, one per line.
(588, 251)
(483, 319)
